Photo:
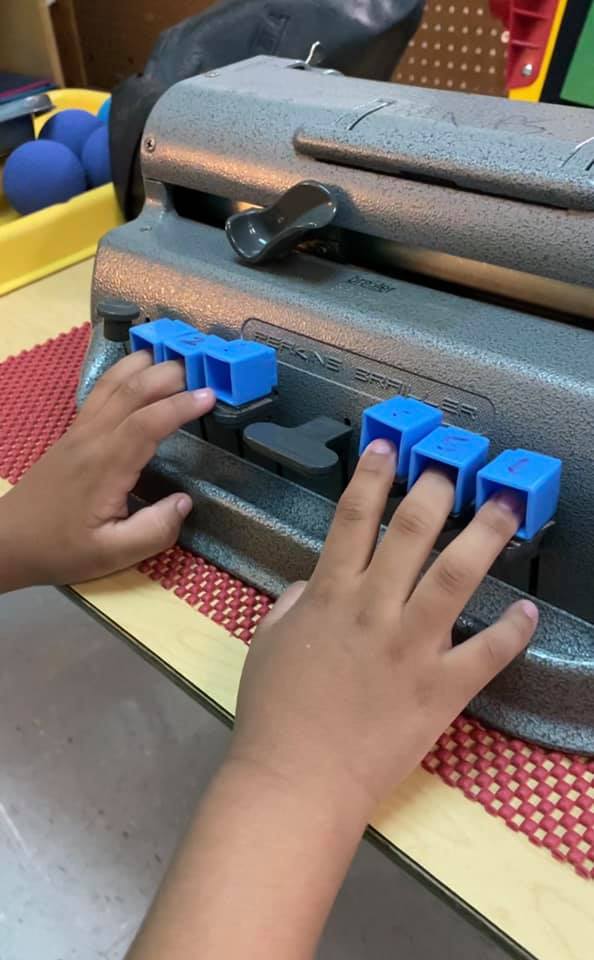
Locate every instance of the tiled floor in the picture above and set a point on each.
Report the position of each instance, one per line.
(101, 762)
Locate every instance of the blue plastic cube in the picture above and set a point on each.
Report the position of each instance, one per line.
(535, 476)
(190, 348)
(240, 371)
(152, 336)
(462, 451)
(402, 420)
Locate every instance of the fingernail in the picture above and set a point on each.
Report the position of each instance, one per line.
(203, 395)
(508, 500)
(183, 505)
(383, 447)
(529, 610)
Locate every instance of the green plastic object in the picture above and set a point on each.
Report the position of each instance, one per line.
(578, 86)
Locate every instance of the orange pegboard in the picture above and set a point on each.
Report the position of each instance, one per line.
(458, 46)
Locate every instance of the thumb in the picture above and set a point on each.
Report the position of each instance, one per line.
(282, 606)
(148, 531)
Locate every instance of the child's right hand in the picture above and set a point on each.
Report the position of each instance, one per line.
(353, 676)
(346, 686)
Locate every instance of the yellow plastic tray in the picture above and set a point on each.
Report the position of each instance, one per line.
(49, 240)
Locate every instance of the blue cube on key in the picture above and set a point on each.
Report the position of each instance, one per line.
(402, 420)
(462, 451)
(152, 336)
(240, 371)
(535, 476)
(190, 348)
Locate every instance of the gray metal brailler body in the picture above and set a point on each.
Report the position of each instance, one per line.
(432, 189)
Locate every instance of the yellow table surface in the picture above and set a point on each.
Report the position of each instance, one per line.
(540, 904)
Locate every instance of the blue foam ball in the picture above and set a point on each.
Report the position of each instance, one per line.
(40, 173)
(95, 157)
(104, 111)
(70, 127)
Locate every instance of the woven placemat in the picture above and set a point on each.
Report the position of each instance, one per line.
(546, 795)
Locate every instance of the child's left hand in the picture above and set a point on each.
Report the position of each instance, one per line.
(67, 520)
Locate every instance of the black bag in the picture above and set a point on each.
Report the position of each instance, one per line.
(363, 38)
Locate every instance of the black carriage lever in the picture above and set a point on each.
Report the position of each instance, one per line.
(258, 235)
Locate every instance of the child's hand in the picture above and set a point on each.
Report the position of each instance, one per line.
(347, 684)
(353, 676)
(67, 520)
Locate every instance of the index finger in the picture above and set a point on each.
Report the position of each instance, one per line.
(135, 440)
(154, 383)
(106, 386)
(353, 534)
(453, 578)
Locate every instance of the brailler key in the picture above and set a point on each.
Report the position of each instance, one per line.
(534, 477)
(402, 420)
(461, 452)
(152, 336)
(311, 449)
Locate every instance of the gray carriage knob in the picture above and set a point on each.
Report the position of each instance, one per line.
(118, 316)
(259, 235)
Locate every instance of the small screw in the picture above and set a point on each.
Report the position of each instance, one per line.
(149, 144)
(211, 74)
(527, 70)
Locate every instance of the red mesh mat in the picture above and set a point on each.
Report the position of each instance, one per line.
(547, 796)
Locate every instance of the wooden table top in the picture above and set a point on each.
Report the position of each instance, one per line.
(518, 890)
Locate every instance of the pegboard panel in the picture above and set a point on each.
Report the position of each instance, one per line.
(116, 37)
(458, 46)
